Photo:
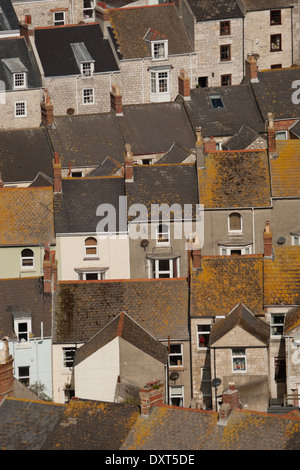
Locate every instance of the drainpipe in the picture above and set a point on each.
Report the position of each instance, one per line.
(253, 230)
(143, 91)
(76, 90)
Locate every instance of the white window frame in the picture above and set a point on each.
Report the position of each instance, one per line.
(235, 231)
(154, 271)
(21, 334)
(241, 356)
(278, 133)
(87, 103)
(275, 324)
(65, 358)
(89, 247)
(163, 237)
(87, 69)
(24, 258)
(157, 47)
(57, 22)
(226, 250)
(90, 8)
(296, 240)
(155, 79)
(175, 354)
(101, 275)
(203, 332)
(24, 105)
(18, 75)
(22, 377)
(179, 395)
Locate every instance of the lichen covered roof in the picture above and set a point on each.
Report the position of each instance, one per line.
(285, 169)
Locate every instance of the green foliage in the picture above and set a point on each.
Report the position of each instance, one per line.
(39, 389)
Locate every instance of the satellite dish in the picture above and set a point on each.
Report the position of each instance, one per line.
(281, 240)
(216, 382)
(296, 339)
(174, 375)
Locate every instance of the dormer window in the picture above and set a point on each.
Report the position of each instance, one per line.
(83, 58)
(87, 69)
(22, 326)
(159, 50)
(16, 72)
(20, 80)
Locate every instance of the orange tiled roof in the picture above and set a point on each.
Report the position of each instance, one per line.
(282, 277)
(26, 216)
(285, 170)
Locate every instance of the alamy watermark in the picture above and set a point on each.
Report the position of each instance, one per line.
(143, 223)
(296, 94)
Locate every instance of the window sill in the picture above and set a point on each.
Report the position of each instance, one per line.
(276, 50)
(91, 258)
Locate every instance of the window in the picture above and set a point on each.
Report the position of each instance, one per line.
(76, 174)
(280, 369)
(59, 18)
(23, 374)
(235, 222)
(216, 101)
(87, 69)
(202, 82)
(27, 258)
(275, 17)
(163, 234)
(281, 135)
(88, 96)
(225, 52)
(20, 109)
(225, 80)
(176, 395)
(22, 327)
(295, 239)
(68, 357)
(175, 355)
(203, 332)
(19, 80)
(88, 8)
(276, 66)
(91, 247)
(164, 268)
(239, 360)
(235, 250)
(224, 28)
(206, 381)
(92, 275)
(277, 322)
(160, 82)
(275, 42)
(159, 50)
(68, 395)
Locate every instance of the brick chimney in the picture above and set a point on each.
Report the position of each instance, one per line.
(49, 270)
(210, 145)
(27, 29)
(200, 159)
(267, 240)
(194, 251)
(6, 370)
(151, 394)
(57, 174)
(47, 110)
(128, 164)
(116, 100)
(184, 85)
(102, 16)
(230, 402)
(272, 148)
(251, 69)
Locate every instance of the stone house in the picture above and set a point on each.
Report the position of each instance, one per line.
(292, 341)
(152, 46)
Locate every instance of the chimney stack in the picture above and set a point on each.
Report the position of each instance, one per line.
(47, 110)
(230, 402)
(116, 100)
(128, 164)
(251, 69)
(184, 85)
(200, 159)
(267, 240)
(49, 270)
(151, 394)
(6, 370)
(210, 145)
(272, 148)
(27, 29)
(57, 174)
(194, 251)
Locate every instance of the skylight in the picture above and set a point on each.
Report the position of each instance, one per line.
(216, 101)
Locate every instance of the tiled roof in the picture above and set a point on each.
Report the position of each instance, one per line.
(26, 216)
(130, 26)
(176, 154)
(243, 139)
(24, 295)
(225, 281)
(235, 179)
(255, 5)
(282, 277)
(285, 169)
(292, 320)
(83, 308)
(215, 9)
(240, 316)
(124, 327)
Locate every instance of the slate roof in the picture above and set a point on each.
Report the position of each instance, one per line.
(24, 295)
(75, 209)
(158, 184)
(159, 306)
(281, 277)
(80, 425)
(27, 216)
(295, 129)
(240, 316)
(8, 18)
(176, 154)
(243, 139)
(235, 179)
(25, 153)
(56, 54)
(273, 93)
(225, 281)
(16, 48)
(108, 167)
(256, 5)
(285, 169)
(215, 9)
(131, 24)
(239, 108)
(123, 327)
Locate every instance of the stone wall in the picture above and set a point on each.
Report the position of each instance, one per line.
(33, 109)
(42, 11)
